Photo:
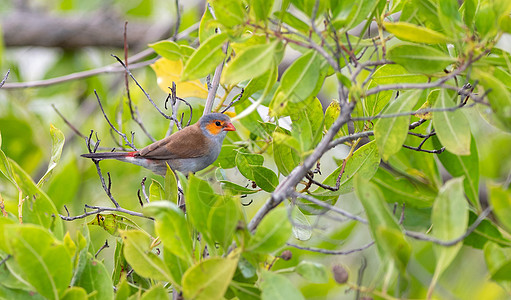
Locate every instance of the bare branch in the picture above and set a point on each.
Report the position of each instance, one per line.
(333, 252)
(125, 138)
(73, 128)
(330, 207)
(427, 238)
(214, 85)
(350, 138)
(105, 245)
(99, 209)
(5, 78)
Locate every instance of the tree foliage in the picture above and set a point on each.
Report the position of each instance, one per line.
(368, 128)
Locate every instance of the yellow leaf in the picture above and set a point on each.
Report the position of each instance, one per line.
(168, 71)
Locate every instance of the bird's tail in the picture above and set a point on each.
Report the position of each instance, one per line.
(108, 155)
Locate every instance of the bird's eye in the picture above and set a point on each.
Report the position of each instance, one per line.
(217, 123)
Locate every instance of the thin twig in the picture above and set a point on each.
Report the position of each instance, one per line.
(105, 245)
(5, 78)
(99, 209)
(436, 151)
(73, 128)
(143, 91)
(333, 252)
(5, 259)
(142, 184)
(214, 85)
(360, 276)
(234, 100)
(125, 138)
(427, 238)
(330, 207)
(350, 138)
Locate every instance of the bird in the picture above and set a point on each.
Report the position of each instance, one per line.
(188, 150)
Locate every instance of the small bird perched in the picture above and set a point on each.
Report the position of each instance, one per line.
(189, 150)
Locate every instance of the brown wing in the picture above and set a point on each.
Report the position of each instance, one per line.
(186, 143)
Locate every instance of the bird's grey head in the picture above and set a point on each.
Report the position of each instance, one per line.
(216, 125)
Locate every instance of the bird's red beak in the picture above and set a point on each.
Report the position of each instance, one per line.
(229, 127)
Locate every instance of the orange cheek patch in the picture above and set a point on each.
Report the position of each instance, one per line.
(213, 129)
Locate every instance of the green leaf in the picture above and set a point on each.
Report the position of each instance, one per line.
(226, 158)
(75, 293)
(390, 133)
(251, 62)
(402, 189)
(500, 199)
(236, 189)
(210, 278)
(413, 33)
(272, 233)
(285, 152)
(384, 228)
(450, 17)
(331, 114)
(449, 218)
(278, 287)
(222, 221)
(156, 191)
(172, 228)
(351, 13)
(313, 272)
(167, 49)
(420, 59)
(261, 9)
(252, 121)
(246, 163)
(170, 183)
(43, 261)
(57, 142)
(262, 83)
(265, 178)
(451, 127)
(176, 266)
(95, 279)
(156, 292)
(487, 231)
(200, 199)
(111, 223)
(463, 165)
(229, 13)
(307, 126)
(364, 161)
(138, 253)
(499, 96)
(393, 242)
(205, 59)
(498, 260)
(300, 82)
(37, 207)
(206, 30)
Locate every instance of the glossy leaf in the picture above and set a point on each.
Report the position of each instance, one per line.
(200, 199)
(170, 184)
(390, 133)
(261, 8)
(449, 218)
(307, 126)
(265, 178)
(156, 191)
(138, 253)
(420, 59)
(37, 207)
(169, 71)
(111, 223)
(251, 62)
(210, 278)
(277, 287)
(384, 228)
(95, 279)
(364, 162)
(236, 189)
(229, 13)
(463, 165)
(285, 152)
(43, 261)
(313, 272)
(498, 260)
(156, 292)
(206, 30)
(246, 162)
(272, 233)
(172, 228)
(75, 293)
(57, 143)
(167, 49)
(402, 189)
(451, 127)
(222, 221)
(413, 33)
(205, 59)
(499, 97)
(500, 199)
(226, 158)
